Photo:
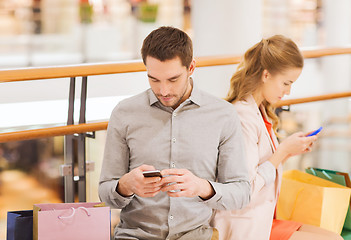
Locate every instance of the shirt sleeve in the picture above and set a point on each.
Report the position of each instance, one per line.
(115, 162)
(267, 171)
(232, 188)
(260, 175)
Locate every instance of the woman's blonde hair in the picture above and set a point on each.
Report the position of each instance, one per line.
(275, 54)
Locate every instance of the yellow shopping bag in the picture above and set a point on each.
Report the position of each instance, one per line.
(311, 200)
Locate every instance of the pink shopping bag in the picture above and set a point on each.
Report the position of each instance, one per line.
(66, 221)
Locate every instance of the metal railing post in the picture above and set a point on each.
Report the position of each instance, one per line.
(81, 144)
(69, 148)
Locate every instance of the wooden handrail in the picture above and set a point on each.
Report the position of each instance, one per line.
(27, 74)
(52, 132)
(325, 52)
(92, 127)
(313, 99)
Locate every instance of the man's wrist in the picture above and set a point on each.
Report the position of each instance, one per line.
(122, 190)
(208, 191)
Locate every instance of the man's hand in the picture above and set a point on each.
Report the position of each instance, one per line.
(183, 183)
(134, 182)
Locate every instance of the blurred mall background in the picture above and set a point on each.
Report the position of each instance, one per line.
(41, 33)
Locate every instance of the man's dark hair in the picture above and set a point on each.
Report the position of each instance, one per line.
(166, 43)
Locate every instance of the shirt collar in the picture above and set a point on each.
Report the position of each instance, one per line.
(264, 113)
(259, 109)
(152, 98)
(195, 96)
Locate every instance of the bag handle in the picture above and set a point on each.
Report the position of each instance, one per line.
(313, 171)
(326, 174)
(74, 211)
(323, 172)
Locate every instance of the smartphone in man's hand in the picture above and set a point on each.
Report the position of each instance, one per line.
(152, 173)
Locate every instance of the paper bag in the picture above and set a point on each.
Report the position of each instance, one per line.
(311, 200)
(71, 221)
(20, 225)
(341, 178)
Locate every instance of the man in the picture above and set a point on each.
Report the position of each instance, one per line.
(193, 138)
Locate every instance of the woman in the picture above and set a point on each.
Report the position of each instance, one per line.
(264, 76)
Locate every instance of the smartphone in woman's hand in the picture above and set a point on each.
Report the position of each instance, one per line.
(315, 132)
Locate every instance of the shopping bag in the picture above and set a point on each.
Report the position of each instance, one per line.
(20, 225)
(346, 234)
(341, 178)
(311, 200)
(330, 175)
(71, 221)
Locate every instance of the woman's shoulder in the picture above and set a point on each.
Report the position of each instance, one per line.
(249, 116)
(245, 107)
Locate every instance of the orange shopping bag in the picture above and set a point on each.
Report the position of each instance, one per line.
(311, 200)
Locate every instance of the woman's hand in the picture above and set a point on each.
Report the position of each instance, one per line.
(295, 144)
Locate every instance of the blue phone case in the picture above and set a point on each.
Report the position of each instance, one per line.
(315, 132)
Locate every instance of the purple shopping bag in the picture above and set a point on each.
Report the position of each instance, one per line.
(88, 221)
(20, 225)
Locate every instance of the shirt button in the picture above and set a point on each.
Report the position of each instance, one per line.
(171, 217)
(174, 114)
(173, 165)
(174, 140)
